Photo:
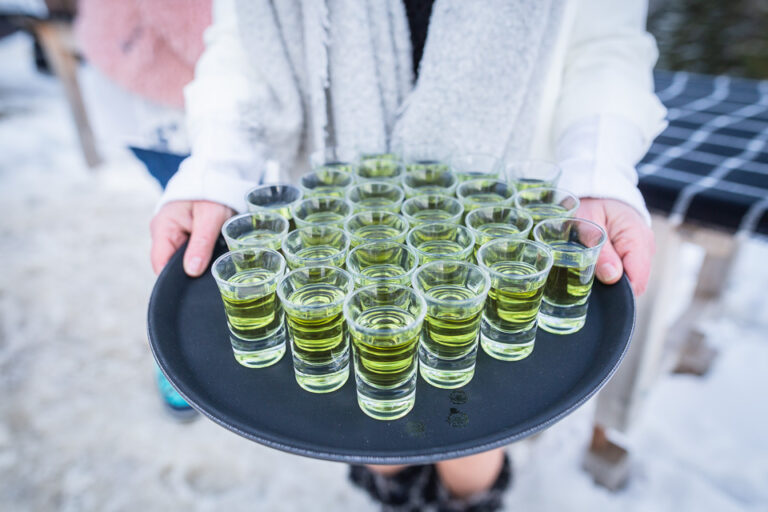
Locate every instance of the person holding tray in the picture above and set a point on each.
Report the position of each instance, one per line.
(568, 81)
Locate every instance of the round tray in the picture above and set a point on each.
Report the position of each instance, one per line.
(505, 402)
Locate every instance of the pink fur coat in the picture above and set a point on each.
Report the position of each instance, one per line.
(147, 46)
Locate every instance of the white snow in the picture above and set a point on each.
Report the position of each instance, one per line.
(82, 428)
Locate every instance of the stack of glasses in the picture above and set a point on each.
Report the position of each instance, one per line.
(416, 255)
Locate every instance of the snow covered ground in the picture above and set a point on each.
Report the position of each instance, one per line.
(81, 426)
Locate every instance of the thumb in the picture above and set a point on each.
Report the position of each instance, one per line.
(207, 219)
(609, 268)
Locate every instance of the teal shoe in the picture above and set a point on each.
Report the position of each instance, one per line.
(173, 401)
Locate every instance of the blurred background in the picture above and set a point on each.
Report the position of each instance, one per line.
(82, 426)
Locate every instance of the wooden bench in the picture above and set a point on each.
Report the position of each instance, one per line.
(705, 180)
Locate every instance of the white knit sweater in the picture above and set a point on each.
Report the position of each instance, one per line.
(256, 107)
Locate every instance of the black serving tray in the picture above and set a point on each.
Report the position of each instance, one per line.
(505, 402)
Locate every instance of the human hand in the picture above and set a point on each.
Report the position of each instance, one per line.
(630, 243)
(177, 221)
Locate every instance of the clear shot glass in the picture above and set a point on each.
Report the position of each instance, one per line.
(547, 203)
(313, 300)
(441, 241)
(473, 166)
(425, 156)
(482, 192)
(455, 294)
(257, 229)
(321, 211)
(526, 174)
(247, 280)
(277, 197)
(325, 181)
(518, 270)
(387, 168)
(340, 158)
(385, 322)
(382, 263)
(436, 181)
(492, 222)
(313, 246)
(432, 208)
(376, 225)
(375, 195)
(575, 245)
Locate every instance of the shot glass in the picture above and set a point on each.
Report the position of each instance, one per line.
(277, 197)
(432, 208)
(575, 245)
(321, 211)
(385, 322)
(526, 174)
(429, 180)
(387, 168)
(376, 225)
(547, 203)
(313, 300)
(257, 229)
(382, 263)
(473, 166)
(455, 294)
(493, 222)
(375, 195)
(441, 241)
(340, 158)
(518, 270)
(326, 181)
(482, 192)
(247, 280)
(313, 246)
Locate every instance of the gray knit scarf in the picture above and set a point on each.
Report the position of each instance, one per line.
(483, 67)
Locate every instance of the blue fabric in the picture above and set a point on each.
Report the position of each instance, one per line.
(162, 165)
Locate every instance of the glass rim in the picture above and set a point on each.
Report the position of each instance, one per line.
(354, 186)
(295, 206)
(384, 213)
(524, 241)
(448, 188)
(348, 288)
(511, 187)
(383, 280)
(380, 332)
(282, 234)
(474, 213)
(459, 227)
(296, 232)
(229, 254)
(269, 185)
(497, 161)
(330, 170)
(461, 302)
(416, 222)
(579, 220)
(526, 191)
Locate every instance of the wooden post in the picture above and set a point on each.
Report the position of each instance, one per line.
(56, 39)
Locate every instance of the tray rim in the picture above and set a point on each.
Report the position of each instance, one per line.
(429, 455)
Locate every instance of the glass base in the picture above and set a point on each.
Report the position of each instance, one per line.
(387, 409)
(386, 403)
(259, 353)
(261, 358)
(446, 379)
(507, 346)
(446, 373)
(322, 383)
(562, 319)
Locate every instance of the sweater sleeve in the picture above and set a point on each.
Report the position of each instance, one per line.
(227, 154)
(608, 115)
